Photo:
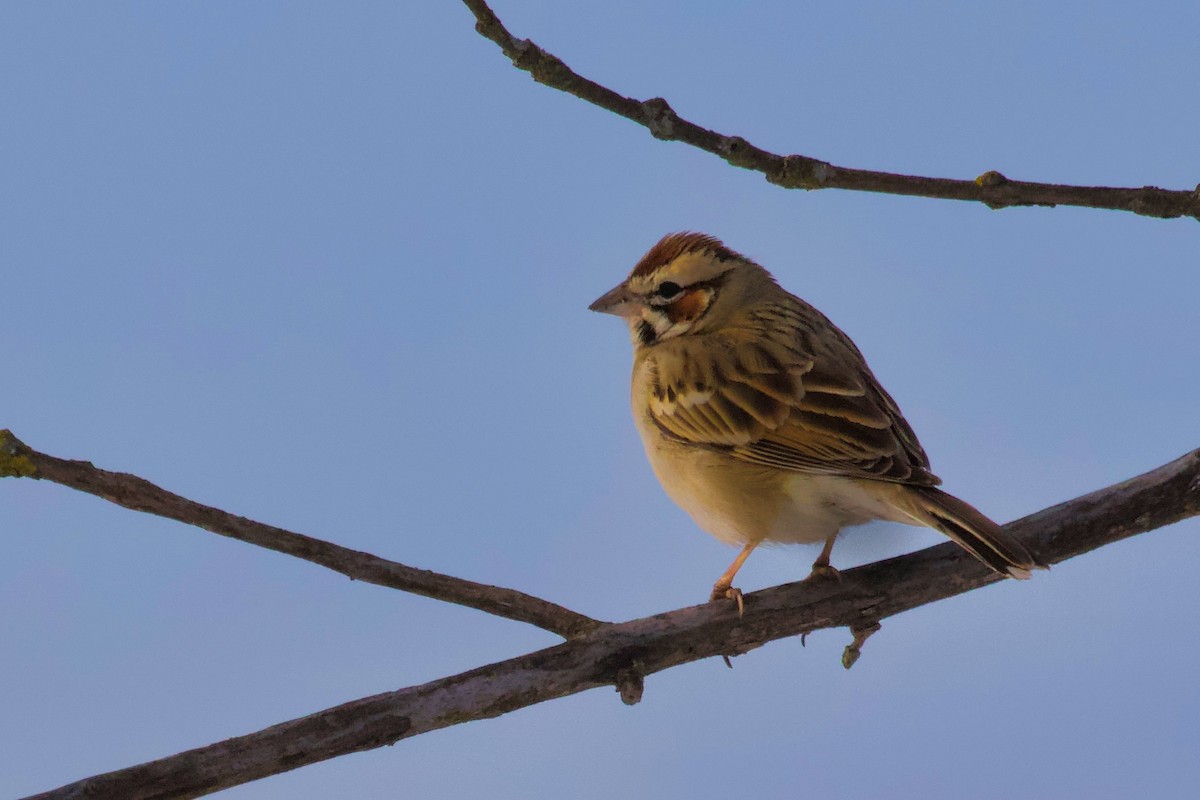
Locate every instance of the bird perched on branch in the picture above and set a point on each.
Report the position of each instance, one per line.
(762, 420)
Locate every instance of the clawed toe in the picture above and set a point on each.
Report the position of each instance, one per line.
(826, 572)
(733, 593)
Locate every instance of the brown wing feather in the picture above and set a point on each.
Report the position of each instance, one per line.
(725, 396)
(788, 390)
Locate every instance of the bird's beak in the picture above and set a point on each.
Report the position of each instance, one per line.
(620, 302)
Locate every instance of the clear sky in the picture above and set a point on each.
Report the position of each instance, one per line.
(327, 265)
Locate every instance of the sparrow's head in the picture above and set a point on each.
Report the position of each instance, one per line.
(688, 283)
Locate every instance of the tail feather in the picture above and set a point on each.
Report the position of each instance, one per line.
(977, 534)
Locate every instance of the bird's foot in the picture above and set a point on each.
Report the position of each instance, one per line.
(722, 592)
(825, 572)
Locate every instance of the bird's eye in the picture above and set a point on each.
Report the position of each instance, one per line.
(666, 290)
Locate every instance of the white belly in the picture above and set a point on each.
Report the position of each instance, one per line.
(821, 505)
(738, 502)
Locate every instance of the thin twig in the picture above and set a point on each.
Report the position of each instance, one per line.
(20, 460)
(804, 172)
(622, 654)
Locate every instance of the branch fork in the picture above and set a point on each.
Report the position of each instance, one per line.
(596, 654)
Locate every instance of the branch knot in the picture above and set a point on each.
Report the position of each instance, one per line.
(660, 118)
(800, 172)
(861, 632)
(631, 682)
(738, 152)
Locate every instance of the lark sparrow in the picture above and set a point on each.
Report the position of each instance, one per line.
(762, 420)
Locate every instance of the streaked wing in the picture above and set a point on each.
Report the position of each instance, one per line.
(787, 393)
(723, 392)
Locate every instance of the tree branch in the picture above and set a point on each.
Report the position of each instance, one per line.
(622, 654)
(805, 172)
(19, 460)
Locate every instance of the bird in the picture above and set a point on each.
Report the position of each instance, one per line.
(762, 420)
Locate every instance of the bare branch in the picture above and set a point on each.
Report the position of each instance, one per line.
(18, 459)
(805, 172)
(622, 654)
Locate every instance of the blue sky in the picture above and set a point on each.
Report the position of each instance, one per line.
(327, 266)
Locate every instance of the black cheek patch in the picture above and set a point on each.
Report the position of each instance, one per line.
(645, 333)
